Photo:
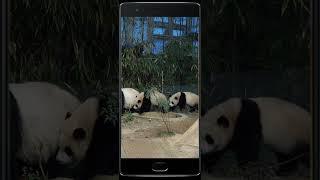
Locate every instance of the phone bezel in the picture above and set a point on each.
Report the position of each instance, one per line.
(182, 166)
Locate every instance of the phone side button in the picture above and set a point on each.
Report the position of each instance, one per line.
(159, 167)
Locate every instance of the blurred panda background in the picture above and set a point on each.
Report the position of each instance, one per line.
(255, 49)
(249, 48)
(71, 44)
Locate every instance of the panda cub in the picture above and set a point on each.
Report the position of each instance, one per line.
(240, 124)
(153, 99)
(184, 99)
(128, 98)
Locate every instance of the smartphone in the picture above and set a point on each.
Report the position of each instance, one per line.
(160, 89)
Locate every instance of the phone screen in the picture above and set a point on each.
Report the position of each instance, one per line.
(159, 72)
(159, 59)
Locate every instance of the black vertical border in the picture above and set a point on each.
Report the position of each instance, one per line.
(6, 131)
(5, 150)
(315, 86)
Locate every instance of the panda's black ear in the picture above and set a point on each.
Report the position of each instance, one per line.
(79, 134)
(223, 122)
(68, 115)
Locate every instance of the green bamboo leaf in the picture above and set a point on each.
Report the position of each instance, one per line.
(284, 6)
(75, 48)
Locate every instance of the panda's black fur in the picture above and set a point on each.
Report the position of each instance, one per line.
(248, 132)
(122, 102)
(146, 105)
(16, 137)
(15, 121)
(182, 102)
(102, 153)
(246, 137)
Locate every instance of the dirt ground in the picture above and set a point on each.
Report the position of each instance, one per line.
(160, 135)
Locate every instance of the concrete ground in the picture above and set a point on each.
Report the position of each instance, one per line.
(145, 136)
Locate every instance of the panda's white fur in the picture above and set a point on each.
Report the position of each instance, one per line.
(129, 97)
(182, 99)
(284, 125)
(155, 98)
(76, 133)
(42, 108)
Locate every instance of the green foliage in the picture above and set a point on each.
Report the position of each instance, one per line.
(177, 64)
(239, 37)
(182, 61)
(166, 134)
(136, 73)
(62, 42)
(164, 105)
(110, 108)
(129, 117)
(33, 177)
(31, 174)
(244, 35)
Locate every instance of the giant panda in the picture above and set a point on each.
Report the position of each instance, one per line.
(145, 101)
(93, 140)
(76, 132)
(240, 124)
(128, 98)
(39, 109)
(184, 99)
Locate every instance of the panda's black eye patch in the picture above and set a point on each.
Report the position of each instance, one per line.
(175, 98)
(68, 151)
(139, 101)
(223, 122)
(68, 115)
(209, 139)
(79, 134)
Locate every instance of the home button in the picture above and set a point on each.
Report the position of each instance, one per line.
(159, 167)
